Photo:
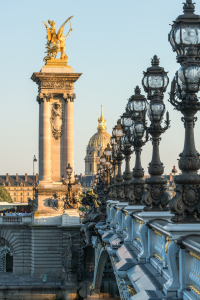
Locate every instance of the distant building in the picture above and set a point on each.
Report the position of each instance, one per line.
(96, 145)
(86, 181)
(20, 187)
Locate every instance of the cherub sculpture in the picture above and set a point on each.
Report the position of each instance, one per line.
(56, 41)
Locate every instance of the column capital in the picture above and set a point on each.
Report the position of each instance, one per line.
(69, 97)
(44, 97)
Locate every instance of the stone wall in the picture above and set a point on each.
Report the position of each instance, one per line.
(19, 239)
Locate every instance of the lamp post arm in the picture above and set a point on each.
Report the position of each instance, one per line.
(167, 122)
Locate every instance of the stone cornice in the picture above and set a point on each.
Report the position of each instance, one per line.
(40, 190)
(56, 83)
(39, 77)
(51, 191)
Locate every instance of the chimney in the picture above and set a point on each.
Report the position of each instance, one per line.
(36, 177)
(26, 177)
(17, 177)
(171, 178)
(7, 177)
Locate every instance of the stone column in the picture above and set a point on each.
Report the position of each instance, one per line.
(69, 132)
(55, 85)
(45, 139)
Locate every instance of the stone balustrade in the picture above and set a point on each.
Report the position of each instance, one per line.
(7, 220)
(151, 256)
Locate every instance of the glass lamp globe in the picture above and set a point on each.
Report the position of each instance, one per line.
(117, 131)
(101, 171)
(189, 78)
(116, 148)
(139, 129)
(112, 141)
(108, 151)
(137, 103)
(69, 170)
(102, 159)
(155, 79)
(126, 120)
(108, 164)
(155, 111)
(185, 32)
(76, 178)
(126, 141)
(132, 130)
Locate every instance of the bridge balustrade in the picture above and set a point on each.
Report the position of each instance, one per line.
(147, 247)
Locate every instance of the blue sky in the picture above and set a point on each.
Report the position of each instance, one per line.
(112, 43)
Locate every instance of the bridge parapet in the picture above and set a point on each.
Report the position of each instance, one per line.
(8, 220)
(151, 256)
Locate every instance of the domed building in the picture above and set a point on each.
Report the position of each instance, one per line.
(96, 145)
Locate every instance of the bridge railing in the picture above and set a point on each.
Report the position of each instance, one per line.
(172, 250)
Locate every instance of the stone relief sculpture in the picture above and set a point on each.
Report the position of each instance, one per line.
(56, 121)
(57, 202)
(92, 217)
(72, 258)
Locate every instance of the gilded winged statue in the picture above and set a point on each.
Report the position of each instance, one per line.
(56, 41)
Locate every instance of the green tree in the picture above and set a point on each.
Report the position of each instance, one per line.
(4, 195)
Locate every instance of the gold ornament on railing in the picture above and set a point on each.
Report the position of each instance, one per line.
(168, 241)
(131, 290)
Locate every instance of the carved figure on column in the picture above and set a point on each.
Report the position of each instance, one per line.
(56, 121)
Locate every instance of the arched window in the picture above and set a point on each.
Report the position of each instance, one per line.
(6, 256)
(9, 263)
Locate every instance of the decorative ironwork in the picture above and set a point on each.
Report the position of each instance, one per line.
(155, 82)
(183, 96)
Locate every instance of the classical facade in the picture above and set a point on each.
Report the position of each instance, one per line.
(96, 145)
(20, 187)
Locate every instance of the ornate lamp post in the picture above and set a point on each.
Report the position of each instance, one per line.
(174, 171)
(118, 134)
(185, 40)
(70, 200)
(137, 107)
(126, 123)
(108, 166)
(155, 82)
(34, 160)
(113, 160)
(113, 170)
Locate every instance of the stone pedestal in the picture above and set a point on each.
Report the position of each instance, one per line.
(56, 130)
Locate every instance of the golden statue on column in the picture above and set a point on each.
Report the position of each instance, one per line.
(56, 42)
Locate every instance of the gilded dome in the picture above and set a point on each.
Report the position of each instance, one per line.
(101, 138)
